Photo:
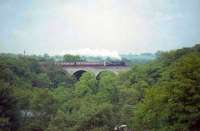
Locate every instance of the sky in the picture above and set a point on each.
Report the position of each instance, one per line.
(98, 27)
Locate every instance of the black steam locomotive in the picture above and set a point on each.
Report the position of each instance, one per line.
(116, 63)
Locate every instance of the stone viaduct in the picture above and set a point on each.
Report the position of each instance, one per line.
(77, 68)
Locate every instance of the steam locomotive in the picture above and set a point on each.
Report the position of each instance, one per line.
(116, 63)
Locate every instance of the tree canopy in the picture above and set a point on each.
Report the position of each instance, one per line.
(161, 95)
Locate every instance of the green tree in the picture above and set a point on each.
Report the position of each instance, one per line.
(173, 102)
(152, 113)
(41, 80)
(72, 58)
(87, 85)
(107, 85)
(43, 107)
(9, 112)
(184, 81)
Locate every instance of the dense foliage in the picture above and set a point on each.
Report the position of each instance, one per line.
(72, 58)
(162, 95)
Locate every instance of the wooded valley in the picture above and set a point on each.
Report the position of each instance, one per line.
(160, 95)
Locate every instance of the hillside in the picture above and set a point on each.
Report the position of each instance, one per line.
(163, 95)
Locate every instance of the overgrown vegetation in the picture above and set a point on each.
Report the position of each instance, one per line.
(162, 95)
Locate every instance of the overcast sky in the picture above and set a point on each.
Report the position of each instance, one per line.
(98, 26)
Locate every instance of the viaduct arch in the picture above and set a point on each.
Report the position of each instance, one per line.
(78, 71)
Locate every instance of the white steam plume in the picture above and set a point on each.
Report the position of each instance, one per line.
(91, 52)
